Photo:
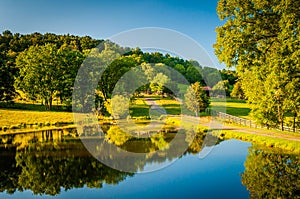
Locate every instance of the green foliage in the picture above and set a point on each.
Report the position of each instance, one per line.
(237, 91)
(260, 39)
(13, 44)
(158, 82)
(211, 76)
(196, 99)
(117, 106)
(46, 71)
(221, 88)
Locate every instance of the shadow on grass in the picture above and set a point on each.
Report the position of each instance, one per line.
(34, 107)
(139, 111)
(236, 111)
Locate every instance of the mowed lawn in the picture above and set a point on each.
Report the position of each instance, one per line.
(139, 108)
(234, 107)
(170, 105)
(10, 117)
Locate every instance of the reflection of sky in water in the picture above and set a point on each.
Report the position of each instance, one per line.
(215, 176)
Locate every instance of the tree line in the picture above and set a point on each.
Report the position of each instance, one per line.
(14, 45)
(43, 67)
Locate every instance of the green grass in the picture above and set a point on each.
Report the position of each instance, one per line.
(170, 105)
(139, 108)
(234, 107)
(275, 132)
(270, 142)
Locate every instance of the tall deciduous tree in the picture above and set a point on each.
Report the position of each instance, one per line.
(196, 99)
(261, 40)
(222, 87)
(46, 71)
(237, 91)
(7, 69)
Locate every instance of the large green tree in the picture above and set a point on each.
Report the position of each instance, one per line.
(45, 72)
(261, 40)
(7, 69)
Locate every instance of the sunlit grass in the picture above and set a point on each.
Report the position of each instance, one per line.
(139, 108)
(234, 107)
(170, 105)
(270, 142)
(10, 118)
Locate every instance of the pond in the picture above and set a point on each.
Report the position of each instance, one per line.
(56, 164)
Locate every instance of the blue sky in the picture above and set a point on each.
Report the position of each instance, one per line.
(102, 19)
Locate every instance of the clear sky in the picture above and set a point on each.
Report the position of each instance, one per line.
(102, 19)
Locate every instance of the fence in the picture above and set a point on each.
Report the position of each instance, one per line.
(245, 122)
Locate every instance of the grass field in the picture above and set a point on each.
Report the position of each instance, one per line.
(170, 105)
(234, 107)
(139, 108)
(10, 118)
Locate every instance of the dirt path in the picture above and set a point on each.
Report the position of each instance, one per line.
(222, 126)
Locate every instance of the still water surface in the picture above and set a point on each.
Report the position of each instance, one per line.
(49, 165)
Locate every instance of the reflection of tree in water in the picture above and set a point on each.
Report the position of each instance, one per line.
(272, 174)
(47, 171)
(159, 147)
(9, 172)
(48, 161)
(47, 174)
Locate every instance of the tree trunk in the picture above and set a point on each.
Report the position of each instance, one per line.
(280, 117)
(50, 103)
(294, 122)
(46, 104)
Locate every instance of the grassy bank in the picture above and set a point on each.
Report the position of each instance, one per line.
(266, 138)
(269, 142)
(13, 119)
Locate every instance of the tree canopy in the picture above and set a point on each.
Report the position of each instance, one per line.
(261, 40)
(45, 71)
(196, 99)
(44, 66)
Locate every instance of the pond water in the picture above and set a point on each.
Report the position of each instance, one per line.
(55, 164)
